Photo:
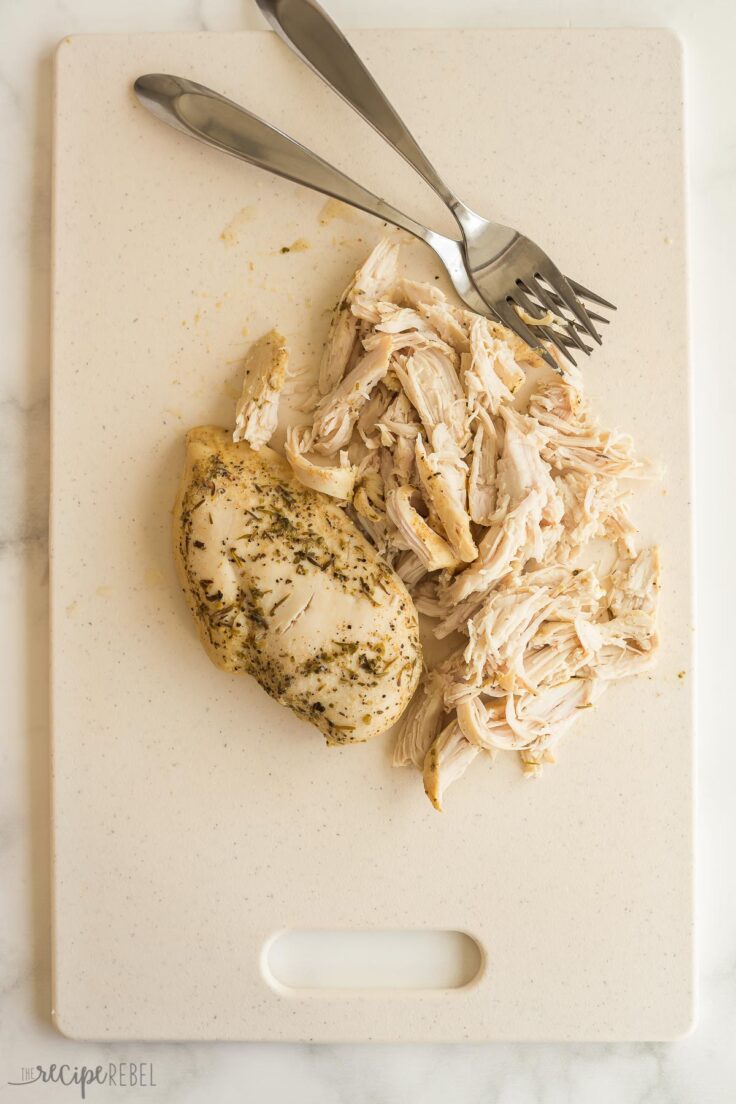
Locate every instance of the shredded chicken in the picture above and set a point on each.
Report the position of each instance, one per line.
(338, 412)
(373, 281)
(446, 760)
(482, 475)
(371, 414)
(421, 722)
(369, 491)
(419, 537)
(338, 350)
(264, 375)
(338, 482)
(444, 477)
(431, 384)
(488, 483)
(574, 439)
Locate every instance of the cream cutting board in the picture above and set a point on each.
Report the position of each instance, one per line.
(193, 817)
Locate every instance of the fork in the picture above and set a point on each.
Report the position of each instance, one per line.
(217, 121)
(511, 272)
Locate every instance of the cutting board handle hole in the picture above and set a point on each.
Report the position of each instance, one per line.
(319, 959)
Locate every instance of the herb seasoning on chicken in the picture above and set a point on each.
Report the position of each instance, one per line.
(283, 587)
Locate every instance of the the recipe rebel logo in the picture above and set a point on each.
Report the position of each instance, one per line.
(124, 1075)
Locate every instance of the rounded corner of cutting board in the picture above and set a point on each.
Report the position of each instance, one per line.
(67, 1028)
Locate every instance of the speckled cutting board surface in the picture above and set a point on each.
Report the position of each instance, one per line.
(194, 817)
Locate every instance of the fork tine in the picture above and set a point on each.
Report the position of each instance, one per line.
(567, 341)
(552, 300)
(544, 331)
(525, 302)
(558, 283)
(505, 311)
(584, 293)
(594, 317)
(559, 342)
(552, 303)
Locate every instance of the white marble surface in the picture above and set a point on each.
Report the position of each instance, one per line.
(699, 1068)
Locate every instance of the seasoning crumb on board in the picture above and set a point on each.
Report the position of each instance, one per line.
(301, 245)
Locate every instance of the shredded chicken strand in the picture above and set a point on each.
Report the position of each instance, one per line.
(264, 376)
(444, 477)
(338, 482)
(337, 413)
(447, 759)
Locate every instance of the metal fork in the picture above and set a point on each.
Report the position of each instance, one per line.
(509, 270)
(217, 121)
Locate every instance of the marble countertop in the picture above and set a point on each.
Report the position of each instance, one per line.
(701, 1067)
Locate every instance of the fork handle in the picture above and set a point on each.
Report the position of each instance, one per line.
(210, 117)
(217, 121)
(308, 30)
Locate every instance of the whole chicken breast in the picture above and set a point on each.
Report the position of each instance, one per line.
(284, 587)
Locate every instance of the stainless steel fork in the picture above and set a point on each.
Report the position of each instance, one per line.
(217, 121)
(514, 276)
(206, 115)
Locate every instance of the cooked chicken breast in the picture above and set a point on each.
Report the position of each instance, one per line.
(285, 588)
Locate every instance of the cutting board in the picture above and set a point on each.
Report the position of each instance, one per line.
(194, 819)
